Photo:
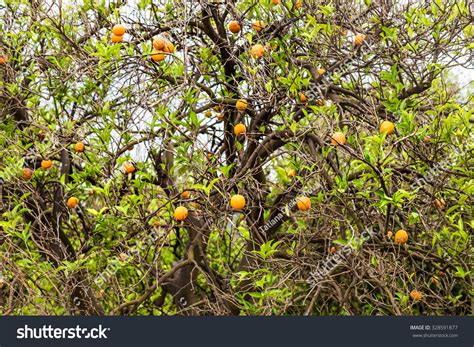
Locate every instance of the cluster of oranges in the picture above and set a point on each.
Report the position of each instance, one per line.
(161, 46)
(117, 33)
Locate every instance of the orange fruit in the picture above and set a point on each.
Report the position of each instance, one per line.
(258, 25)
(416, 295)
(401, 237)
(234, 27)
(169, 47)
(72, 202)
(257, 51)
(46, 164)
(276, 2)
(389, 234)
(321, 71)
(27, 173)
(3, 59)
(237, 202)
(185, 195)
(303, 97)
(291, 173)
(128, 167)
(157, 55)
(79, 147)
(303, 203)
(118, 30)
(181, 213)
(159, 43)
(440, 203)
(387, 127)
(115, 38)
(338, 138)
(239, 129)
(241, 105)
(359, 39)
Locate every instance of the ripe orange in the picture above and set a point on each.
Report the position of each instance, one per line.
(234, 27)
(387, 127)
(359, 39)
(303, 97)
(401, 237)
(241, 105)
(128, 167)
(116, 38)
(440, 203)
(257, 51)
(181, 213)
(157, 55)
(72, 202)
(159, 43)
(185, 195)
(46, 164)
(291, 173)
(416, 295)
(338, 138)
(118, 30)
(303, 203)
(169, 47)
(258, 25)
(27, 173)
(321, 71)
(79, 147)
(3, 59)
(237, 202)
(239, 129)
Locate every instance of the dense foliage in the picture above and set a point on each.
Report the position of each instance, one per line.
(127, 188)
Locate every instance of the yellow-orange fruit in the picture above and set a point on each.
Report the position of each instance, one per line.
(181, 213)
(440, 203)
(239, 129)
(79, 147)
(387, 127)
(401, 237)
(157, 55)
(291, 173)
(303, 97)
(416, 295)
(257, 51)
(116, 38)
(118, 30)
(338, 138)
(303, 203)
(321, 71)
(128, 167)
(46, 164)
(241, 105)
(258, 25)
(169, 47)
(186, 194)
(389, 234)
(234, 27)
(72, 202)
(359, 39)
(237, 202)
(159, 43)
(27, 173)
(276, 2)
(3, 59)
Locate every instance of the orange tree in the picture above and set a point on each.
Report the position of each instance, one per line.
(235, 157)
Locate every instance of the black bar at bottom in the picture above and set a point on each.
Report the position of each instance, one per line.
(237, 331)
